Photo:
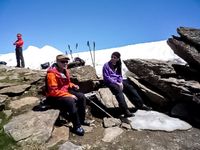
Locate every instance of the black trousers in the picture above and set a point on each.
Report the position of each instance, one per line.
(130, 92)
(75, 108)
(19, 57)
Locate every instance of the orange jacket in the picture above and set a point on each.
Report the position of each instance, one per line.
(58, 83)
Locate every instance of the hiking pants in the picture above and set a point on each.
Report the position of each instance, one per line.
(19, 57)
(75, 108)
(117, 91)
(132, 94)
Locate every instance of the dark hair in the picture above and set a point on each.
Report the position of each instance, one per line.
(118, 65)
(19, 34)
(117, 54)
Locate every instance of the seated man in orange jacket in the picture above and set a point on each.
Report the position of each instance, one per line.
(64, 95)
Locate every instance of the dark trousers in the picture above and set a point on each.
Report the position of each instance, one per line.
(19, 57)
(75, 108)
(115, 89)
(130, 92)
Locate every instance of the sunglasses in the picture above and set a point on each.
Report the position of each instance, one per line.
(63, 62)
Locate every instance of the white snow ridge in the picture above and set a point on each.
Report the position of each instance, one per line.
(35, 56)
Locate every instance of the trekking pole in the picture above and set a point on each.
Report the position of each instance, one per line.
(97, 105)
(70, 51)
(101, 109)
(88, 44)
(94, 54)
(76, 46)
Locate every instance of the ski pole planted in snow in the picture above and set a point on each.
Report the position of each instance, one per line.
(88, 44)
(94, 53)
(70, 51)
(76, 46)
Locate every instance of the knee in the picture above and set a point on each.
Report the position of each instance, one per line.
(81, 95)
(118, 91)
(71, 102)
(115, 90)
(71, 106)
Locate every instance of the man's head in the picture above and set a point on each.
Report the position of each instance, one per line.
(62, 61)
(19, 35)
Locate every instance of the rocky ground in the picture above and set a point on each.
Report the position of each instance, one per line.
(94, 136)
(140, 140)
(131, 139)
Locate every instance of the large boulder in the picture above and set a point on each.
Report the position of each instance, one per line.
(85, 77)
(32, 127)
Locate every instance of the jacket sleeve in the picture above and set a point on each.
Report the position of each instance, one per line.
(53, 89)
(71, 85)
(107, 74)
(19, 43)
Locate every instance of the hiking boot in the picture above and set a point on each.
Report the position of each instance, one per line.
(128, 114)
(79, 131)
(145, 107)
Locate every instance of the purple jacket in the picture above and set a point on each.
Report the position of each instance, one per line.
(110, 76)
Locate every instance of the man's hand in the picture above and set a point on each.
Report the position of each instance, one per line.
(76, 87)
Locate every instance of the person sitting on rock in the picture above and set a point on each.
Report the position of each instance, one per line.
(64, 95)
(112, 76)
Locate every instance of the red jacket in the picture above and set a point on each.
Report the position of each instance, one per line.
(58, 83)
(19, 43)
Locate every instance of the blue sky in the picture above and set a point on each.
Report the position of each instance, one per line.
(108, 23)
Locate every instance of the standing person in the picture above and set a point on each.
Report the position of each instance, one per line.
(18, 51)
(64, 95)
(112, 76)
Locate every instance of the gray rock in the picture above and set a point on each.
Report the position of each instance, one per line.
(59, 134)
(26, 101)
(187, 52)
(153, 96)
(18, 89)
(190, 34)
(14, 76)
(3, 99)
(69, 146)
(109, 100)
(125, 126)
(111, 122)
(8, 113)
(32, 126)
(111, 133)
(84, 76)
(164, 82)
(3, 85)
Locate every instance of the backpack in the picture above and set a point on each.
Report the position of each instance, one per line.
(45, 65)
